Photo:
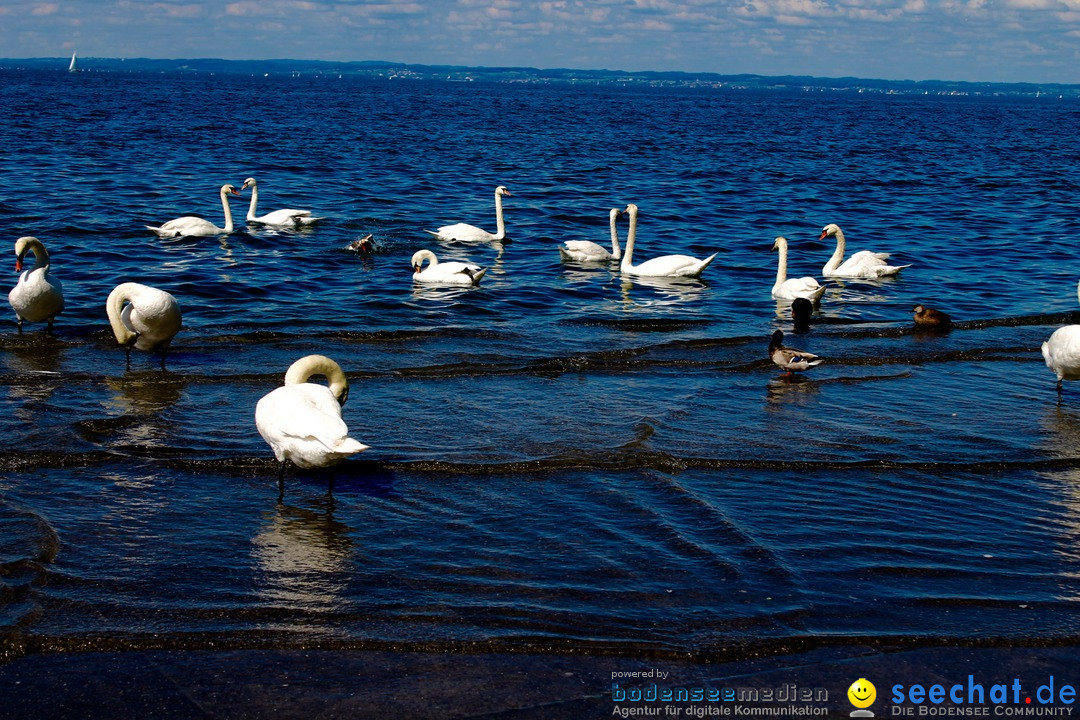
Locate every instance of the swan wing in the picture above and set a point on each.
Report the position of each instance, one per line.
(462, 232)
(452, 273)
(804, 287)
(287, 216)
(188, 226)
(37, 296)
(672, 266)
(303, 424)
(1062, 352)
(584, 251)
(867, 264)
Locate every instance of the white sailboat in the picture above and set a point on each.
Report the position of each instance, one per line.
(71, 66)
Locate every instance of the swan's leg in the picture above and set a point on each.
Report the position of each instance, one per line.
(330, 486)
(164, 352)
(49, 327)
(127, 350)
(19, 320)
(281, 480)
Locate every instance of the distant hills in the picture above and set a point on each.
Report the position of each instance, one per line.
(454, 73)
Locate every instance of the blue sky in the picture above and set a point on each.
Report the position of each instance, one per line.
(991, 40)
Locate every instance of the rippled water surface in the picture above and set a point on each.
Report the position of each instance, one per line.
(561, 458)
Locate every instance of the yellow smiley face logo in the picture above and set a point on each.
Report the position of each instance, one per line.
(862, 693)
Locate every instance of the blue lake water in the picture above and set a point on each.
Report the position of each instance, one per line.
(562, 459)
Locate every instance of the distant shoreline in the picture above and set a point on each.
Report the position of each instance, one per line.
(454, 73)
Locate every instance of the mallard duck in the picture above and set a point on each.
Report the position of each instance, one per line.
(362, 245)
(931, 318)
(790, 359)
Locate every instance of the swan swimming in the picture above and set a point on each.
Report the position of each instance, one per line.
(588, 251)
(470, 233)
(445, 273)
(863, 264)
(190, 226)
(663, 266)
(286, 218)
(37, 295)
(143, 317)
(301, 421)
(791, 288)
(1062, 354)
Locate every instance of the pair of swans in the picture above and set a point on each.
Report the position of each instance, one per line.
(664, 266)
(301, 421)
(191, 226)
(463, 232)
(143, 317)
(37, 295)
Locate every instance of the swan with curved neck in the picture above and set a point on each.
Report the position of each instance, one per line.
(444, 273)
(190, 226)
(286, 218)
(37, 295)
(470, 233)
(588, 251)
(790, 288)
(663, 266)
(863, 264)
(301, 421)
(143, 317)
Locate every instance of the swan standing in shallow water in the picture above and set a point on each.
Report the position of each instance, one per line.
(446, 273)
(471, 233)
(301, 421)
(1062, 354)
(863, 264)
(789, 289)
(588, 251)
(664, 266)
(286, 218)
(36, 296)
(143, 317)
(190, 226)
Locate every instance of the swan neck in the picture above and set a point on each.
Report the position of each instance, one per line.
(781, 265)
(615, 251)
(114, 306)
(41, 255)
(228, 211)
(254, 203)
(500, 225)
(304, 368)
(631, 234)
(838, 254)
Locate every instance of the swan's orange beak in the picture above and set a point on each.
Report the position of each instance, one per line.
(823, 235)
(416, 268)
(18, 265)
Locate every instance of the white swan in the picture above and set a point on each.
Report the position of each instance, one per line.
(790, 288)
(287, 217)
(664, 266)
(588, 251)
(301, 421)
(190, 226)
(863, 264)
(1062, 353)
(143, 317)
(446, 273)
(471, 233)
(36, 296)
